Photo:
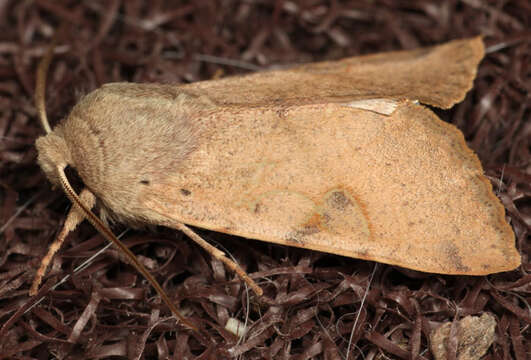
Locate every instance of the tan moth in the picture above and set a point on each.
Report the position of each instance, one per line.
(339, 157)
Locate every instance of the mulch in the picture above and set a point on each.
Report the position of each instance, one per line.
(316, 306)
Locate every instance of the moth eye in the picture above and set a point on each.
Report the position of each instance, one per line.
(144, 182)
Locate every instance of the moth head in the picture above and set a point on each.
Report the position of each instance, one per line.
(53, 152)
(61, 149)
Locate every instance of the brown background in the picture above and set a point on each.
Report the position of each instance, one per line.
(311, 299)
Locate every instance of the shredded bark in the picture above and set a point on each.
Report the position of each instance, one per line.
(312, 303)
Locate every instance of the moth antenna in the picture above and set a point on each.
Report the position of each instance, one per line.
(73, 219)
(107, 233)
(40, 85)
(220, 255)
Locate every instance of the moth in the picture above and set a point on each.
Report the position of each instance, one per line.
(341, 157)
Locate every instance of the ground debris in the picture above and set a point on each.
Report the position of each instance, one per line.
(474, 336)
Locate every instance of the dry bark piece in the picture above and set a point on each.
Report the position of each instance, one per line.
(474, 337)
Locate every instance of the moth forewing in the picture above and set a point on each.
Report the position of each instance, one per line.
(402, 189)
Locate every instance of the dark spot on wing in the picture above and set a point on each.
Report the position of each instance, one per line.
(308, 230)
(452, 255)
(338, 200)
(185, 192)
(144, 182)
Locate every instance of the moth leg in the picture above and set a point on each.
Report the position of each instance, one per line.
(73, 219)
(220, 255)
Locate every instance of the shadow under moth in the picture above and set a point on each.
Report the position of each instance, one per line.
(339, 156)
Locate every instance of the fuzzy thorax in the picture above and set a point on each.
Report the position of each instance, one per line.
(121, 139)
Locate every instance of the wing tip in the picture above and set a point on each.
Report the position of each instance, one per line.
(457, 62)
